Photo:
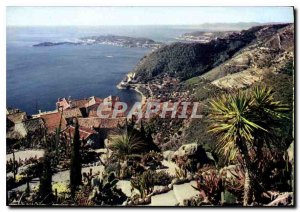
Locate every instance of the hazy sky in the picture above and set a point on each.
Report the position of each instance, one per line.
(56, 16)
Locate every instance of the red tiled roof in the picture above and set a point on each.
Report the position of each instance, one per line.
(89, 122)
(93, 101)
(80, 103)
(93, 113)
(52, 120)
(84, 133)
(111, 123)
(101, 122)
(72, 112)
(63, 102)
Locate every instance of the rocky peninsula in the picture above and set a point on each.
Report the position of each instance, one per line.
(114, 40)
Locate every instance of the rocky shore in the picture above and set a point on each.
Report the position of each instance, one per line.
(129, 83)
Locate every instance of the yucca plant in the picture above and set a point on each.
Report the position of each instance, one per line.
(240, 120)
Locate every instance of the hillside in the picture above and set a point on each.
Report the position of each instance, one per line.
(238, 61)
(186, 60)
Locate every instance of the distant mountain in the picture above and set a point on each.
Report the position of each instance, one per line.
(229, 26)
(203, 36)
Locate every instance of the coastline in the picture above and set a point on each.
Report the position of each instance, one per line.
(134, 87)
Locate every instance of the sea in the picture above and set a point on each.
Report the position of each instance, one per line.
(37, 76)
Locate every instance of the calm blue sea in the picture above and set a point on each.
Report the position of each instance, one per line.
(37, 77)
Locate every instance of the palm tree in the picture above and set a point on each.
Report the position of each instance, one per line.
(240, 119)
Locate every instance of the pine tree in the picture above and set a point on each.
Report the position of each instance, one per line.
(75, 170)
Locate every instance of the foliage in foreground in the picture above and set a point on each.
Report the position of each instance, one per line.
(244, 121)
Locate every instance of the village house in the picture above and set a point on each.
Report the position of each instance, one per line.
(66, 103)
(105, 127)
(16, 116)
(30, 126)
(88, 136)
(93, 103)
(92, 128)
(71, 113)
(52, 121)
(13, 117)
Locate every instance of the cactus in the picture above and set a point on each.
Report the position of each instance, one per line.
(15, 166)
(107, 193)
(144, 183)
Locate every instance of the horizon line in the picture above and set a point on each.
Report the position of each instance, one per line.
(254, 22)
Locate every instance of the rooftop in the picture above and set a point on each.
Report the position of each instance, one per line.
(52, 121)
(84, 133)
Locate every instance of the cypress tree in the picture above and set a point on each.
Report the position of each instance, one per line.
(45, 190)
(75, 170)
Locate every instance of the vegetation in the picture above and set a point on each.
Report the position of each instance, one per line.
(107, 192)
(45, 194)
(210, 187)
(239, 152)
(144, 183)
(186, 60)
(75, 169)
(243, 120)
(126, 145)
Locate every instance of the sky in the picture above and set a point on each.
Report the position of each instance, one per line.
(89, 16)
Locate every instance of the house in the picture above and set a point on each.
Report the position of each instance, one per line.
(30, 126)
(88, 136)
(109, 127)
(71, 113)
(105, 127)
(52, 121)
(17, 117)
(65, 103)
(12, 110)
(93, 103)
(91, 122)
(112, 99)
